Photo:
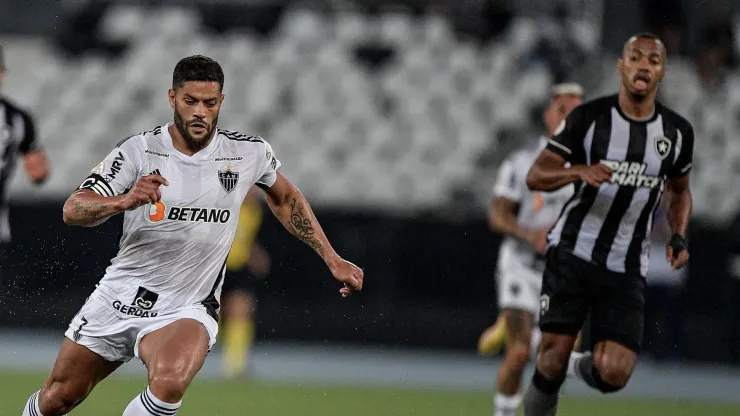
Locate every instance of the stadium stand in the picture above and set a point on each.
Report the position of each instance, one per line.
(390, 111)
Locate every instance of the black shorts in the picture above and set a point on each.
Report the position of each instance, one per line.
(242, 280)
(572, 287)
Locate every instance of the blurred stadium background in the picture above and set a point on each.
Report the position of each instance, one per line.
(392, 116)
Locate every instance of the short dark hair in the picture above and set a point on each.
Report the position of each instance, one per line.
(197, 68)
(645, 35)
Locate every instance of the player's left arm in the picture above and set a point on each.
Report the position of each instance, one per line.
(34, 158)
(290, 206)
(678, 201)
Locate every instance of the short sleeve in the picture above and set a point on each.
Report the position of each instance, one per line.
(567, 140)
(118, 172)
(269, 168)
(507, 182)
(28, 141)
(684, 152)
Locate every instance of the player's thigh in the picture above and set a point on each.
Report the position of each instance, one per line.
(565, 298)
(618, 312)
(76, 372)
(175, 352)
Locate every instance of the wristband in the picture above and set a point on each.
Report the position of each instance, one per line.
(677, 243)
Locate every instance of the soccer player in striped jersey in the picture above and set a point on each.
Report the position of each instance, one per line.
(624, 151)
(180, 187)
(17, 137)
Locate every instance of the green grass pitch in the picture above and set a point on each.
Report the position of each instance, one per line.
(225, 398)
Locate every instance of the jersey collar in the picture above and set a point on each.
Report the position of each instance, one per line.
(200, 155)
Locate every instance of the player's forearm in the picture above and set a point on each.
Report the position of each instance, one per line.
(296, 215)
(505, 223)
(87, 209)
(679, 210)
(552, 178)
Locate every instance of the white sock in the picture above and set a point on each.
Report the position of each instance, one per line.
(506, 405)
(574, 357)
(32, 406)
(145, 404)
(534, 343)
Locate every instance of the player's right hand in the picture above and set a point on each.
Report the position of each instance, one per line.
(145, 191)
(595, 175)
(537, 238)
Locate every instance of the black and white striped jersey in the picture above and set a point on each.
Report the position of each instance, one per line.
(610, 225)
(17, 136)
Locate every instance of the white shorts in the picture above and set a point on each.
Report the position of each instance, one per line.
(116, 337)
(519, 286)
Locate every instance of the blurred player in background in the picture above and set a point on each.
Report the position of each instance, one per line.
(17, 136)
(524, 217)
(247, 266)
(180, 187)
(622, 152)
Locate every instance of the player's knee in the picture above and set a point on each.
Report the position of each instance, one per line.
(613, 377)
(552, 360)
(59, 397)
(517, 355)
(169, 383)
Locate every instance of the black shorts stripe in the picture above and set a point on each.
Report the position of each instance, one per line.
(623, 198)
(598, 151)
(211, 302)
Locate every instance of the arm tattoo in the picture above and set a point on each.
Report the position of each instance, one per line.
(301, 226)
(89, 211)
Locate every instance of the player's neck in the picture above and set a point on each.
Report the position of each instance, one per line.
(182, 145)
(634, 109)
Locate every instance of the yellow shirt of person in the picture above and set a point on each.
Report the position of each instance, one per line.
(250, 219)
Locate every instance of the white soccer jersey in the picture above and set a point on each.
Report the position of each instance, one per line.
(536, 209)
(172, 254)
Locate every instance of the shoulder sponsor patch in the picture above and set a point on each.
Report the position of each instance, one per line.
(99, 168)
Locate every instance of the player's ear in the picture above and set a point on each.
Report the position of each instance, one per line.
(222, 98)
(620, 66)
(171, 97)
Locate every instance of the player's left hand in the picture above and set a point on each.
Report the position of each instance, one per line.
(676, 252)
(350, 275)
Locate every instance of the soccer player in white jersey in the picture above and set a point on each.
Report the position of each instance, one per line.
(524, 217)
(180, 187)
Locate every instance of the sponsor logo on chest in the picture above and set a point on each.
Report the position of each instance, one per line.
(631, 174)
(160, 211)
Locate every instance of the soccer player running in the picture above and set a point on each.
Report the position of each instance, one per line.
(624, 151)
(180, 187)
(524, 217)
(17, 137)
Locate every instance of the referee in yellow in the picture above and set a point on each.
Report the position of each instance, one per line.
(247, 266)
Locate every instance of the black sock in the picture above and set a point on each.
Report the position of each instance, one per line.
(541, 398)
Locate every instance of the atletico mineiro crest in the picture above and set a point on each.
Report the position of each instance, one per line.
(228, 179)
(662, 146)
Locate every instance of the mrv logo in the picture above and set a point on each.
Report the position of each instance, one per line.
(631, 174)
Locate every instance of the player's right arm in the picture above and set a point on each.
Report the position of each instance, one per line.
(111, 188)
(550, 170)
(507, 194)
